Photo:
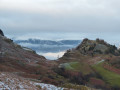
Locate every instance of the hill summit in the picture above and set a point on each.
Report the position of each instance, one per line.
(93, 47)
(97, 46)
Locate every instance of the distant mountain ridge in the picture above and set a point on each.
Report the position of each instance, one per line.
(49, 42)
(45, 46)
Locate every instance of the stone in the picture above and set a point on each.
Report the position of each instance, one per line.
(1, 32)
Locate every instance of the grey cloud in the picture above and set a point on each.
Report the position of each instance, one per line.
(60, 16)
(20, 22)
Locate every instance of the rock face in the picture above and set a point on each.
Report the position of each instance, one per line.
(1, 32)
(97, 47)
(93, 47)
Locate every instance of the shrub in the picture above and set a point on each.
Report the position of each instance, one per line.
(48, 80)
(70, 86)
(38, 86)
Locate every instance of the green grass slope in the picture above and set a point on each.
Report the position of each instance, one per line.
(109, 77)
(79, 67)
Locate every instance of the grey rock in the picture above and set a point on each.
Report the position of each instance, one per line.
(1, 32)
(100, 47)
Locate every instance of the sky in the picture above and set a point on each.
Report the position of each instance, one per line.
(61, 19)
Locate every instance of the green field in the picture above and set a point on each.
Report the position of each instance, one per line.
(79, 67)
(109, 77)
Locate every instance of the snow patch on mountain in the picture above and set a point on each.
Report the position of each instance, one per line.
(10, 81)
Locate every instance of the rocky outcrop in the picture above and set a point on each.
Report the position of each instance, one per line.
(1, 32)
(97, 47)
(93, 47)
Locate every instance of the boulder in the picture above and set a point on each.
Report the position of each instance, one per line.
(101, 48)
(1, 32)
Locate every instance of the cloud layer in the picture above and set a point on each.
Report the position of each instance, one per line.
(59, 16)
(81, 7)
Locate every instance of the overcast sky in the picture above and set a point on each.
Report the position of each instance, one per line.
(58, 19)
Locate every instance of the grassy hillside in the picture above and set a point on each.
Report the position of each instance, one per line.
(79, 67)
(109, 77)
